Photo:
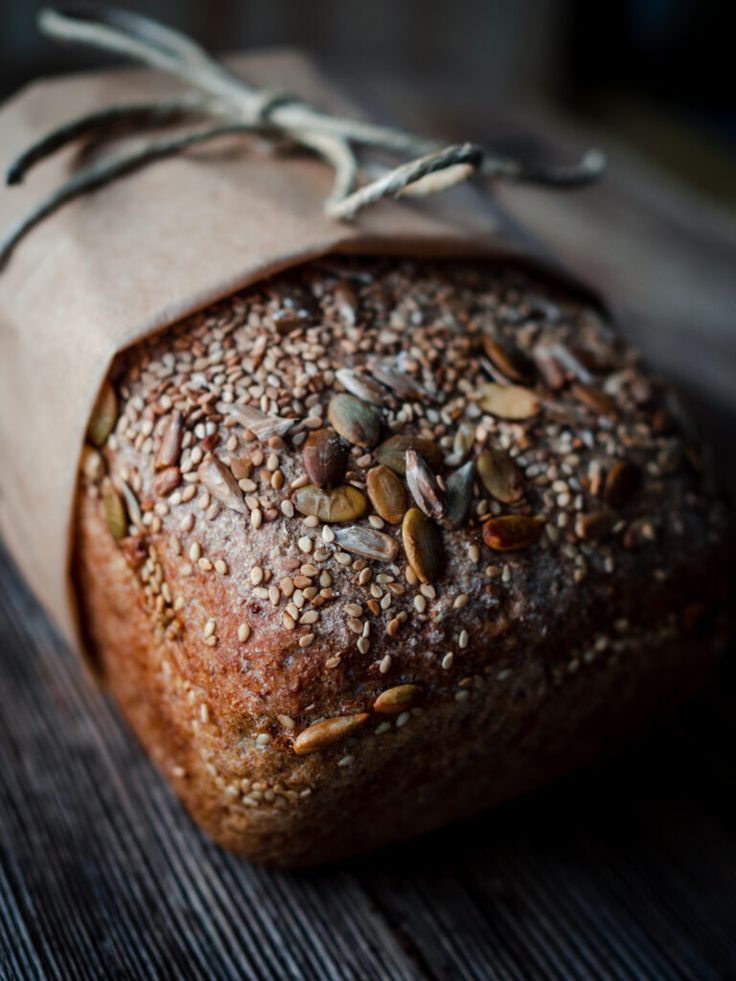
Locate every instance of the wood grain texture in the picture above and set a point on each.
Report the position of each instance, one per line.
(625, 872)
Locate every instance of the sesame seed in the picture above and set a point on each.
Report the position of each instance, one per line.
(462, 640)
(244, 632)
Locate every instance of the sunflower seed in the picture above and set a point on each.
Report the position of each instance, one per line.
(500, 475)
(218, 479)
(396, 699)
(325, 458)
(367, 542)
(509, 360)
(423, 485)
(622, 482)
(459, 494)
(571, 363)
(346, 300)
(594, 399)
(549, 367)
(114, 510)
(508, 401)
(511, 532)
(327, 732)
(104, 415)
(262, 426)
(595, 524)
(131, 504)
(392, 452)
(399, 383)
(386, 493)
(168, 453)
(462, 444)
(334, 506)
(357, 421)
(361, 386)
(167, 481)
(423, 545)
(92, 464)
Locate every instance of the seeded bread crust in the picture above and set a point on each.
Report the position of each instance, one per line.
(305, 692)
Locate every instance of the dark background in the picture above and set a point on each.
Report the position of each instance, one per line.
(657, 74)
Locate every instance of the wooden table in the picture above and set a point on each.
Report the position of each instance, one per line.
(625, 872)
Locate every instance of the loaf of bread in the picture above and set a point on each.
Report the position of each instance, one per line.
(377, 543)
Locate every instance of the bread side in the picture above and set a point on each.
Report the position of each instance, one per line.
(305, 692)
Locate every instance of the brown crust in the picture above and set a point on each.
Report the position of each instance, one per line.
(231, 629)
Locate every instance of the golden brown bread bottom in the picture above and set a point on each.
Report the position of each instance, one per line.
(521, 665)
(447, 764)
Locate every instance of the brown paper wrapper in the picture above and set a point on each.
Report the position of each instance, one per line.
(142, 253)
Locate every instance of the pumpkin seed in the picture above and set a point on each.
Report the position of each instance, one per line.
(459, 494)
(327, 732)
(422, 545)
(399, 383)
(334, 506)
(218, 479)
(509, 360)
(595, 524)
(386, 493)
(361, 386)
(104, 415)
(594, 399)
(622, 482)
(392, 452)
(325, 458)
(168, 454)
(500, 475)
(262, 426)
(511, 532)
(357, 421)
(114, 510)
(423, 485)
(509, 401)
(367, 542)
(396, 699)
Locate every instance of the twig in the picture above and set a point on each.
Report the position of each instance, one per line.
(150, 113)
(102, 173)
(237, 107)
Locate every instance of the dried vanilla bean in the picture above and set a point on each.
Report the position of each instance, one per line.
(234, 106)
